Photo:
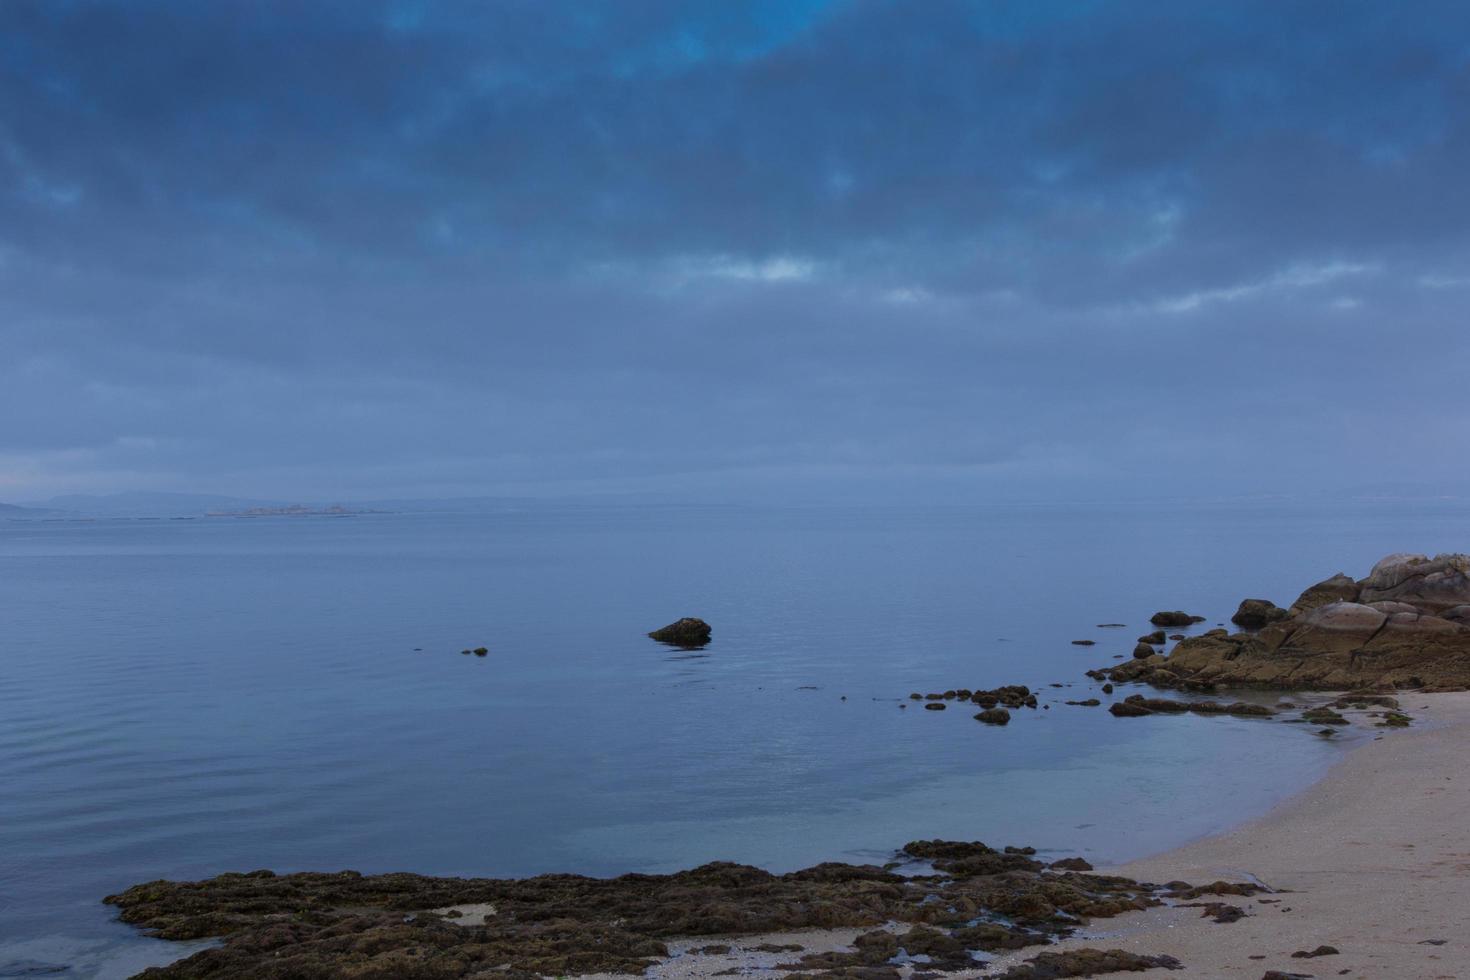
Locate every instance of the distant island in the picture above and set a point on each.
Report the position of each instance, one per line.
(296, 510)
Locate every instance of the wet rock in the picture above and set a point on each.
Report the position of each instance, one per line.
(1278, 975)
(994, 716)
(480, 651)
(1107, 689)
(1071, 864)
(1175, 618)
(686, 632)
(1256, 613)
(1136, 705)
(1185, 891)
(1143, 651)
(1303, 954)
(1157, 637)
(1087, 962)
(1086, 703)
(935, 706)
(1323, 716)
(1084, 643)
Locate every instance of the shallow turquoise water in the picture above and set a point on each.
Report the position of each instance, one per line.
(180, 698)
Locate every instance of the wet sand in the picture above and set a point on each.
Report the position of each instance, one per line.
(1373, 860)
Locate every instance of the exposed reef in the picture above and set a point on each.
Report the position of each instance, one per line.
(963, 898)
(1407, 624)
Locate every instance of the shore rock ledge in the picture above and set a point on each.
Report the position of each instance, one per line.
(1407, 624)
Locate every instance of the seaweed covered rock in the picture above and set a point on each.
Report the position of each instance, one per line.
(686, 632)
(348, 925)
(1405, 625)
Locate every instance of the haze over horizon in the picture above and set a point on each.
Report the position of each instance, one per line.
(949, 252)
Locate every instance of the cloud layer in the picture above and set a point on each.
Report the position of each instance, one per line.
(945, 251)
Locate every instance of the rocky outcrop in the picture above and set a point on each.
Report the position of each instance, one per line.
(1432, 585)
(686, 632)
(1407, 624)
(973, 898)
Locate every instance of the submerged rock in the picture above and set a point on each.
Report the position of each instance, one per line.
(686, 632)
(349, 925)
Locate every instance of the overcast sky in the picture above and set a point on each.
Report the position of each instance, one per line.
(933, 250)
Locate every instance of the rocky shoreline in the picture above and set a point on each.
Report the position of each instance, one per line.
(938, 907)
(1405, 625)
(944, 903)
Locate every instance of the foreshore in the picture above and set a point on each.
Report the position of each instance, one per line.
(1372, 860)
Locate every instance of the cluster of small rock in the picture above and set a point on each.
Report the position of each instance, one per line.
(994, 703)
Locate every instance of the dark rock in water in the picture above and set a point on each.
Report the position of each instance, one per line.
(1111, 626)
(1143, 651)
(481, 651)
(1176, 636)
(994, 716)
(1087, 962)
(1107, 689)
(1090, 643)
(687, 632)
(1087, 703)
(1136, 705)
(1156, 637)
(1071, 864)
(1175, 618)
(1253, 614)
(935, 706)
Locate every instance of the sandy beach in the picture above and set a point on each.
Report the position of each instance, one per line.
(1373, 860)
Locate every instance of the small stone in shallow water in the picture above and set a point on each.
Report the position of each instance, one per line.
(480, 651)
(935, 706)
(994, 716)
(1084, 643)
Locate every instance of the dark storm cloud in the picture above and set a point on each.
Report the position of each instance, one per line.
(397, 248)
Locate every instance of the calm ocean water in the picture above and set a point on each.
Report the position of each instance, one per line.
(180, 698)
